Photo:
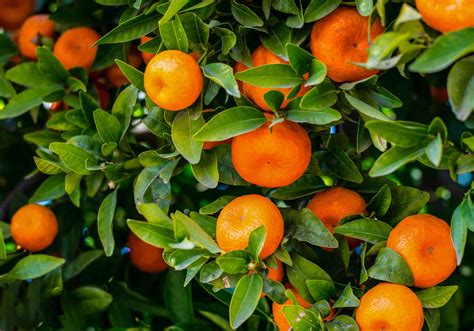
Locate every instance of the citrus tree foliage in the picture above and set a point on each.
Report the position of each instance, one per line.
(117, 165)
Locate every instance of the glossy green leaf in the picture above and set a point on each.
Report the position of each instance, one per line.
(369, 230)
(434, 150)
(310, 116)
(365, 109)
(320, 97)
(133, 75)
(393, 159)
(222, 75)
(108, 126)
(399, 133)
(216, 205)
(231, 122)
(458, 233)
(174, 36)
(75, 158)
(244, 15)
(90, 299)
(306, 185)
(52, 188)
(151, 233)
(321, 289)
(446, 49)
(405, 201)
(34, 266)
(196, 233)
(256, 241)
(245, 299)
(391, 267)
(347, 299)
(436, 297)
(50, 66)
(81, 262)
(182, 132)
(105, 218)
(317, 9)
(270, 75)
(461, 87)
(342, 323)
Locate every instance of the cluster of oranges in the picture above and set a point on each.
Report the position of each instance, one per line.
(423, 241)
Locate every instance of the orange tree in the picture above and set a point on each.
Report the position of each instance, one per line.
(256, 154)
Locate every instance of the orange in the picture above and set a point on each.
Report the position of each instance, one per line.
(389, 307)
(211, 144)
(278, 273)
(272, 157)
(334, 204)
(103, 94)
(244, 214)
(173, 80)
(34, 227)
(147, 56)
(447, 15)
(262, 56)
(439, 94)
(115, 76)
(31, 31)
(424, 241)
(340, 39)
(14, 12)
(277, 310)
(74, 47)
(145, 257)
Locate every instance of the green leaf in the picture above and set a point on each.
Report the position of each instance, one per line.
(305, 185)
(380, 202)
(321, 289)
(222, 75)
(154, 214)
(173, 8)
(196, 30)
(244, 15)
(50, 66)
(216, 205)
(182, 132)
(131, 29)
(461, 87)
(256, 241)
(26, 74)
(105, 219)
(399, 133)
(196, 233)
(52, 188)
(206, 171)
(227, 173)
(82, 261)
(446, 49)
(406, 201)
(27, 100)
(6, 88)
(108, 126)
(342, 323)
(230, 123)
(317, 9)
(133, 75)
(302, 271)
(365, 108)
(317, 73)
(317, 117)
(369, 230)
(174, 36)
(434, 150)
(245, 299)
(34, 266)
(232, 265)
(300, 59)
(347, 299)
(436, 297)
(364, 7)
(393, 159)
(178, 299)
(123, 107)
(271, 75)
(75, 158)
(342, 166)
(48, 167)
(432, 319)
(391, 267)
(151, 233)
(90, 299)
(458, 233)
(320, 97)
(149, 187)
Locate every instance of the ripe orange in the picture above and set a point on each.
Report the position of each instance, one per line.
(34, 227)
(244, 214)
(339, 39)
(334, 204)
(389, 307)
(277, 310)
(33, 28)
(74, 47)
(173, 80)
(424, 241)
(145, 257)
(278, 273)
(14, 12)
(447, 15)
(272, 157)
(147, 56)
(115, 76)
(439, 94)
(262, 56)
